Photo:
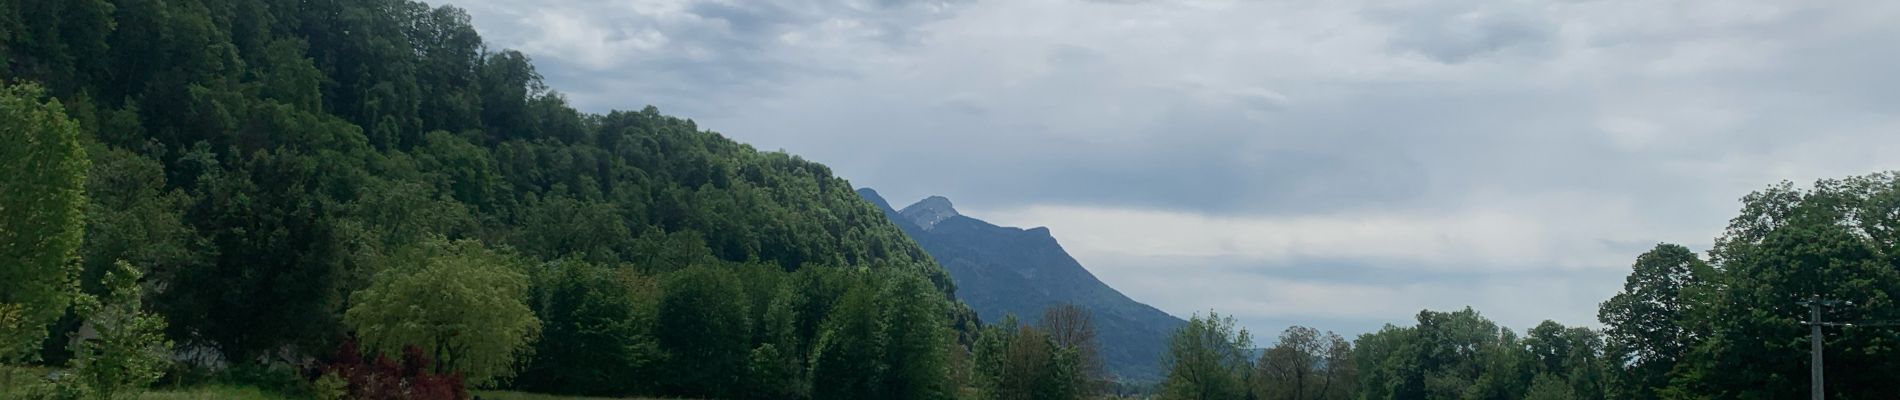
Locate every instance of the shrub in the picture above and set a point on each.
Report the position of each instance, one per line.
(384, 379)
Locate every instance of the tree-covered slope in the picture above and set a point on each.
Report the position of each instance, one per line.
(264, 159)
(1012, 271)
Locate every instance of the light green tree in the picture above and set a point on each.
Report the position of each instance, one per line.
(459, 301)
(42, 202)
(1208, 359)
(130, 349)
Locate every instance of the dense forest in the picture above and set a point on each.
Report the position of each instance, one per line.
(308, 190)
(359, 199)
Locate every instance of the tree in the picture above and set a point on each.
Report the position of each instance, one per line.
(1549, 387)
(1072, 328)
(41, 207)
(1464, 355)
(845, 361)
(917, 339)
(460, 301)
(1306, 365)
(130, 351)
(1388, 364)
(1572, 355)
(1649, 322)
(702, 327)
(596, 334)
(1448, 355)
(1208, 359)
(1837, 240)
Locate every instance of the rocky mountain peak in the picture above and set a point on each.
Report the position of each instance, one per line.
(928, 212)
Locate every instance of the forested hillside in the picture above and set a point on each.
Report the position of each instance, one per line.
(297, 179)
(360, 199)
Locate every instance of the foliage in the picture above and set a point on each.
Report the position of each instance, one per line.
(1573, 356)
(845, 361)
(702, 324)
(1648, 322)
(1839, 240)
(1305, 365)
(596, 330)
(411, 378)
(1448, 355)
(130, 351)
(263, 160)
(460, 300)
(917, 339)
(1208, 359)
(1072, 328)
(41, 208)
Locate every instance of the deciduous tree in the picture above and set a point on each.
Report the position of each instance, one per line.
(42, 202)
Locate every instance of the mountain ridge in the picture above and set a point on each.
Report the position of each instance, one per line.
(1002, 271)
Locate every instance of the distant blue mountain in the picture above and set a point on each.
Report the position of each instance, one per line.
(1002, 270)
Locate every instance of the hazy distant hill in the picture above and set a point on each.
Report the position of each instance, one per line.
(1003, 270)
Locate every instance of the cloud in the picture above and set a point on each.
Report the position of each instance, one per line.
(1510, 155)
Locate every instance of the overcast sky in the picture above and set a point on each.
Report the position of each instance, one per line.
(1338, 164)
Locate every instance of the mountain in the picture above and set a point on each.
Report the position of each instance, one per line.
(1003, 270)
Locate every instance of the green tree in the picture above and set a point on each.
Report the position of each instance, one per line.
(702, 327)
(1573, 355)
(1030, 368)
(1208, 359)
(917, 339)
(1388, 364)
(1550, 387)
(1305, 365)
(1018, 362)
(1448, 355)
(130, 351)
(846, 357)
(1466, 356)
(41, 209)
(1648, 323)
(1072, 329)
(460, 301)
(1838, 241)
(596, 330)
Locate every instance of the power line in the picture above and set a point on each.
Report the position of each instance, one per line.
(1815, 323)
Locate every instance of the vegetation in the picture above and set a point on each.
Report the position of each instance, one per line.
(1053, 359)
(1729, 327)
(39, 215)
(1208, 359)
(461, 301)
(288, 177)
(130, 349)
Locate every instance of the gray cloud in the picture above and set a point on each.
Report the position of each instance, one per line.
(1510, 155)
(1453, 32)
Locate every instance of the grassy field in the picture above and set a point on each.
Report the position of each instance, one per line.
(505, 395)
(213, 392)
(16, 383)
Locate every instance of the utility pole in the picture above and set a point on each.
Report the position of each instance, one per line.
(1814, 344)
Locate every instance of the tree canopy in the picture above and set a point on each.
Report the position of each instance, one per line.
(42, 201)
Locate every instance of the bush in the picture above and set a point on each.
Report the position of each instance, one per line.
(384, 379)
(129, 352)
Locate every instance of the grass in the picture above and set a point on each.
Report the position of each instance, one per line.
(213, 392)
(30, 382)
(507, 395)
(20, 382)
